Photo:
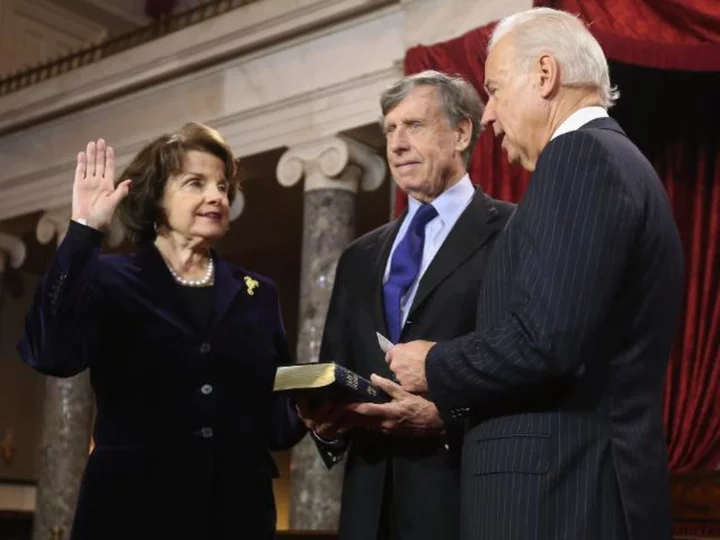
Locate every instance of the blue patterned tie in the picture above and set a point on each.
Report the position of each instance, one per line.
(404, 268)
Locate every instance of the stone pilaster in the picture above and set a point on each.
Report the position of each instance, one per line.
(333, 169)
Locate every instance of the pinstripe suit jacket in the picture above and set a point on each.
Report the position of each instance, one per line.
(562, 379)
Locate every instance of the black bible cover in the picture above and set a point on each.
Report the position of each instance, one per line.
(327, 381)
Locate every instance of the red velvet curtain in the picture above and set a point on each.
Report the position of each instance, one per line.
(687, 158)
(683, 143)
(691, 175)
(664, 34)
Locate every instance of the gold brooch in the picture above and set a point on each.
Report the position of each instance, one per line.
(251, 285)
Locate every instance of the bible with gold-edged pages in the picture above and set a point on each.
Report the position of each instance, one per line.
(327, 381)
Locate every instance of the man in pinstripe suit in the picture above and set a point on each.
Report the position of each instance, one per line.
(561, 382)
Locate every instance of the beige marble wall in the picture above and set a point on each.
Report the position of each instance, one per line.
(39, 30)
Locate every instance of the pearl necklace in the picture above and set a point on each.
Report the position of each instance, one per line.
(202, 282)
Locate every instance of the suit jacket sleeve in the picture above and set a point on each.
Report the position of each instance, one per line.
(287, 427)
(574, 230)
(334, 348)
(61, 327)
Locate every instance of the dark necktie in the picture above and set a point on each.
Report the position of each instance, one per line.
(404, 268)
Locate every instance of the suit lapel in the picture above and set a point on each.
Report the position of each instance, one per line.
(161, 287)
(476, 224)
(227, 288)
(384, 245)
(154, 272)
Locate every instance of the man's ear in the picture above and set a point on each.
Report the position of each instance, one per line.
(463, 133)
(547, 71)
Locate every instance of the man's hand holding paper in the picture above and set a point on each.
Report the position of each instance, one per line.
(407, 362)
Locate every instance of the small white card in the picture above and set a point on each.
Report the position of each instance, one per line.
(385, 343)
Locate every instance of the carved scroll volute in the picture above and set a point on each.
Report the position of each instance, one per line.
(332, 163)
(53, 224)
(12, 251)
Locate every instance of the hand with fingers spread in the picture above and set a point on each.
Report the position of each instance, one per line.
(407, 414)
(95, 196)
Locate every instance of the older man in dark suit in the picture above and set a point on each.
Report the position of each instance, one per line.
(561, 381)
(417, 277)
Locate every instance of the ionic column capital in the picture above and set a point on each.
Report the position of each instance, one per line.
(332, 163)
(238, 205)
(54, 224)
(12, 251)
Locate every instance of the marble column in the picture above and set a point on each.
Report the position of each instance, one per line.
(333, 169)
(66, 430)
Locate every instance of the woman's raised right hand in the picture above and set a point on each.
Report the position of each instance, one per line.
(95, 197)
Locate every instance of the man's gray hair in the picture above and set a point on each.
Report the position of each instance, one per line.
(459, 100)
(563, 36)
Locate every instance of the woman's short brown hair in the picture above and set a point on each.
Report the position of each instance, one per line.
(149, 171)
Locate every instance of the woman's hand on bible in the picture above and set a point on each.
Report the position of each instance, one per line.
(325, 419)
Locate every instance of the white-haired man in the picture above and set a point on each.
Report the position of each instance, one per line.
(562, 380)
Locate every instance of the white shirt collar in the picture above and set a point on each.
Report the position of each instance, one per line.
(579, 118)
(450, 203)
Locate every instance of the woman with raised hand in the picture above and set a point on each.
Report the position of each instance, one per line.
(182, 348)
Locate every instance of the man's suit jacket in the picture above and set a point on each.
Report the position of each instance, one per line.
(425, 474)
(186, 415)
(563, 377)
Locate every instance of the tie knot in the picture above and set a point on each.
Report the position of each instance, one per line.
(424, 214)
